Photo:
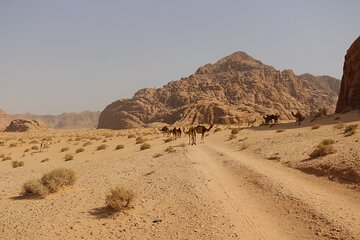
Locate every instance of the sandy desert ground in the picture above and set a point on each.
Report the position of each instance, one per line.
(258, 184)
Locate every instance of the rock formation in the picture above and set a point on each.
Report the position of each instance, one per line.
(3, 119)
(233, 90)
(22, 125)
(349, 97)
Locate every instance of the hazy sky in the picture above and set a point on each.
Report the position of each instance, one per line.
(73, 55)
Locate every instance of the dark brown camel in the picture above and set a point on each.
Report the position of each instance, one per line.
(299, 117)
(165, 130)
(202, 130)
(192, 135)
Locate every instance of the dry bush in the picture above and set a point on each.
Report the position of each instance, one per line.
(34, 142)
(315, 127)
(140, 140)
(7, 158)
(68, 157)
(145, 146)
(2, 155)
(58, 178)
(87, 144)
(64, 149)
(35, 148)
(232, 137)
(119, 198)
(339, 126)
(79, 150)
(34, 188)
(45, 160)
(158, 155)
(280, 130)
(350, 130)
(217, 130)
(101, 147)
(327, 141)
(13, 145)
(131, 136)
(78, 139)
(323, 149)
(26, 150)
(118, 147)
(104, 141)
(169, 139)
(16, 164)
(170, 149)
(244, 146)
(235, 131)
(2, 143)
(108, 135)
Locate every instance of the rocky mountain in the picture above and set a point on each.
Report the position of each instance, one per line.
(3, 119)
(233, 90)
(349, 97)
(84, 119)
(23, 125)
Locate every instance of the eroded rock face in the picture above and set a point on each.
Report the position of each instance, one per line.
(233, 90)
(22, 125)
(349, 96)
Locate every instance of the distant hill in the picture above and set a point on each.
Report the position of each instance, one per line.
(233, 90)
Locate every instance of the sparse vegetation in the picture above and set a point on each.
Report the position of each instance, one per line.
(235, 131)
(322, 149)
(169, 139)
(232, 137)
(339, 126)
(131, 136)
(68, 157)
(101, 147)
(244, 146)
(145, 146)
(87, 143)
(317, 126)
(140, 140)
(2, 143)
(64, 149)
(13, 145)
(45, 160)
(49, 183)
(34, 142)
(7, 158)
(16, 164)
(35, 148)
(119, 198)
(79, 150)
(170, 149)
(26, 150)
(158, 155)
(118, 147)
(280, 130)
(350, 130)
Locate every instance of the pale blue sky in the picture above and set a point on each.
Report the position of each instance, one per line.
(75, 55)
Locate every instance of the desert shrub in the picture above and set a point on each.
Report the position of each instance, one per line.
(45, 160)
(118, 147)
(232, 137)
(26, 150)
(145, 146)
(169, 139)
(280, 130)
(315, 127)
(68, 157)
(58, 178)
(7, 158)
(101, 147)
(131, 136)
(104, 141)
(16, 164)
(327, 141)
(108, 135)
(2, 155)
(13, 145)
(339, 126)
(78, 139)
(79, 150)
(350, 129)
(35, 148)
(322, 150)
(2, 143)
(244, 146)
(34, 188)
(170, 149)
(87, 144)
(158, 155)
(140, 140)
(235, 131)
(217, 130)
(34, 142)
(119, 198)
(64, 149)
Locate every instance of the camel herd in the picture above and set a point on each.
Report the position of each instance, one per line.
(191, 132)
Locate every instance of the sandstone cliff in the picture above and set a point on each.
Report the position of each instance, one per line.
(22, 125)
(234, 89)
(349, 97)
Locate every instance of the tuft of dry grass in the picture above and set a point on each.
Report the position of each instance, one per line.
(244, 146)
(170, 149)
(168, 140)
(7, 158)
(35, 148)
(58, 178)
(350, 130)
(16, 164)
(2, 143)
(13, 145)
(119, 198)
(34, 188)
(145, 146)
(158, 155)
(317, 126)
(87, 143)
(140, 140)
(45, 160)
(64, 149)
(235, 131)
(101, 147)
(280, 130)
(322, 149)
(34, 142)
(232, 137)
(26, 150)
(120, 146)
(339, 126)
(131, 136)
(68, 157)
(79, 150)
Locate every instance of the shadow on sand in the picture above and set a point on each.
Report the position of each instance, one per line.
(102, 212)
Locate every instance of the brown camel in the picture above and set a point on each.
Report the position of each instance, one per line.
(192, 135)
(299, 117)
(165, 130)
(202, 130)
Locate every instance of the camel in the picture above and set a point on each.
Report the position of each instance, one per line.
(44, 144)
(202, 130)
(178, 132)
(299, 117)
(165, 130)
(269, 118)
(192, 135)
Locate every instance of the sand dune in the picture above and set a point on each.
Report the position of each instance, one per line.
(245, 188)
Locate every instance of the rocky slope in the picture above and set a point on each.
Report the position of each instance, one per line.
(22, 125)
(349, 97)
(233, 90)
(85, 119)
